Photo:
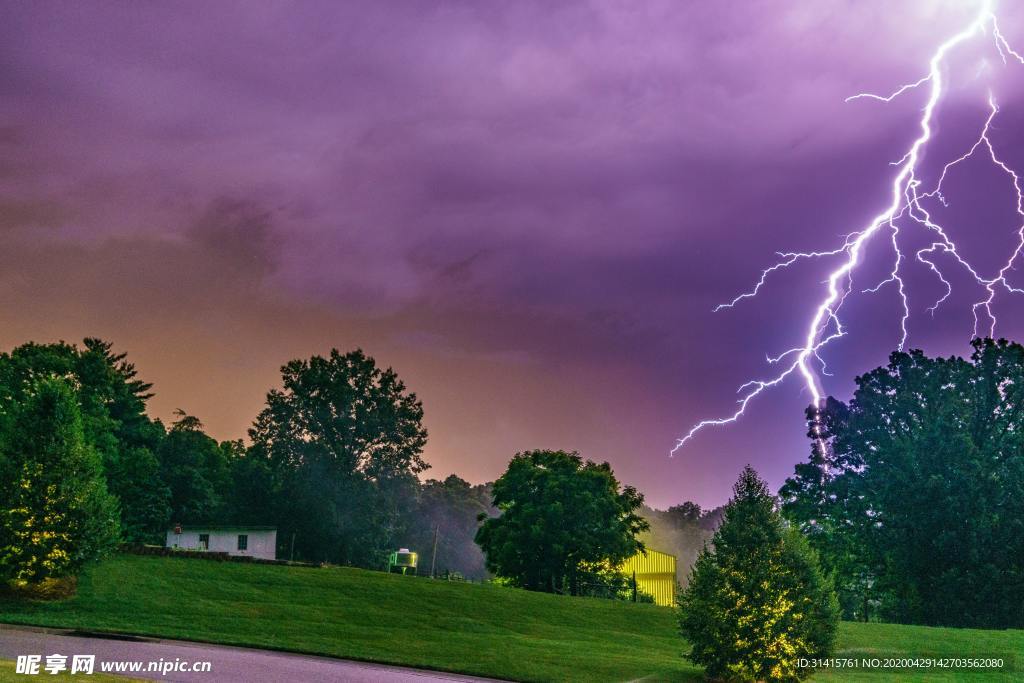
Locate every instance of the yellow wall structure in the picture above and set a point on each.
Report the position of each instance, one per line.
(655, 575)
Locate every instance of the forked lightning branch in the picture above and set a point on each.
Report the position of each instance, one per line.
(908, 207)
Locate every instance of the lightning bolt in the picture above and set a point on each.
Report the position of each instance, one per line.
(909, 201)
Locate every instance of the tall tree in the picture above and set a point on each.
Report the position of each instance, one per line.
(134, 478)
(757, 602)
(130, 462)
(112, 401)
(344, 440)
(562, 521)
(249, 497)
(195, 468)
(914, 492)
(57, 514)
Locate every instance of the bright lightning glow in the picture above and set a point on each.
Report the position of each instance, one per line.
(907, 195)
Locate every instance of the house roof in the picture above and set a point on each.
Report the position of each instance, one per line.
(236, 527)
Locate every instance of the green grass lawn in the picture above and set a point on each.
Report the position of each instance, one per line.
(477, 629)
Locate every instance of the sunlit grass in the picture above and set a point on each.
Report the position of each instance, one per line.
(478, 629)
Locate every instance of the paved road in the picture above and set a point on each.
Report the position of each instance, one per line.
(229, 664)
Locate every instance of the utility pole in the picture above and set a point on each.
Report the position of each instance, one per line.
(291, 555)
(433, 554)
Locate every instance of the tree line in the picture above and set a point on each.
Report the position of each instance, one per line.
(914, 490)
(911, 498)
(332, 462)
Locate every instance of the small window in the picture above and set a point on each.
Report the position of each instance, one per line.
(204, 541)
(243, 541)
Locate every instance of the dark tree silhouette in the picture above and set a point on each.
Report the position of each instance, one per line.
(916, 501)
(344, 441)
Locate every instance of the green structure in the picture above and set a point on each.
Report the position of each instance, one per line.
(655, 574)
(403, 559)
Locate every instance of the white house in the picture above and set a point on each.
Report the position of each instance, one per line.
(254, 541)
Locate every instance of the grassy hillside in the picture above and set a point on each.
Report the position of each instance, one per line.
(476, 629)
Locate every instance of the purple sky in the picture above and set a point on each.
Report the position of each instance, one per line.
(528, 209)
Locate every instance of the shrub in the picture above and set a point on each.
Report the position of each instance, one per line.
(757, 602)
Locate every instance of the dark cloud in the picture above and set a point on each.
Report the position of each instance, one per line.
(241, 233)
(528, 208)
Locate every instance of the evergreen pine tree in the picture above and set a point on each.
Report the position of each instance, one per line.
(56, 512)
(757, 601)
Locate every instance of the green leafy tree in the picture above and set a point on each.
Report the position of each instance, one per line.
(57, 514)
(563, 522)
(914, 492)
(196, 471)
(135, 479)
(344, 442)
(250, 494)
(757, 602)
(685, 513)
(129, 457)
(112, 402)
